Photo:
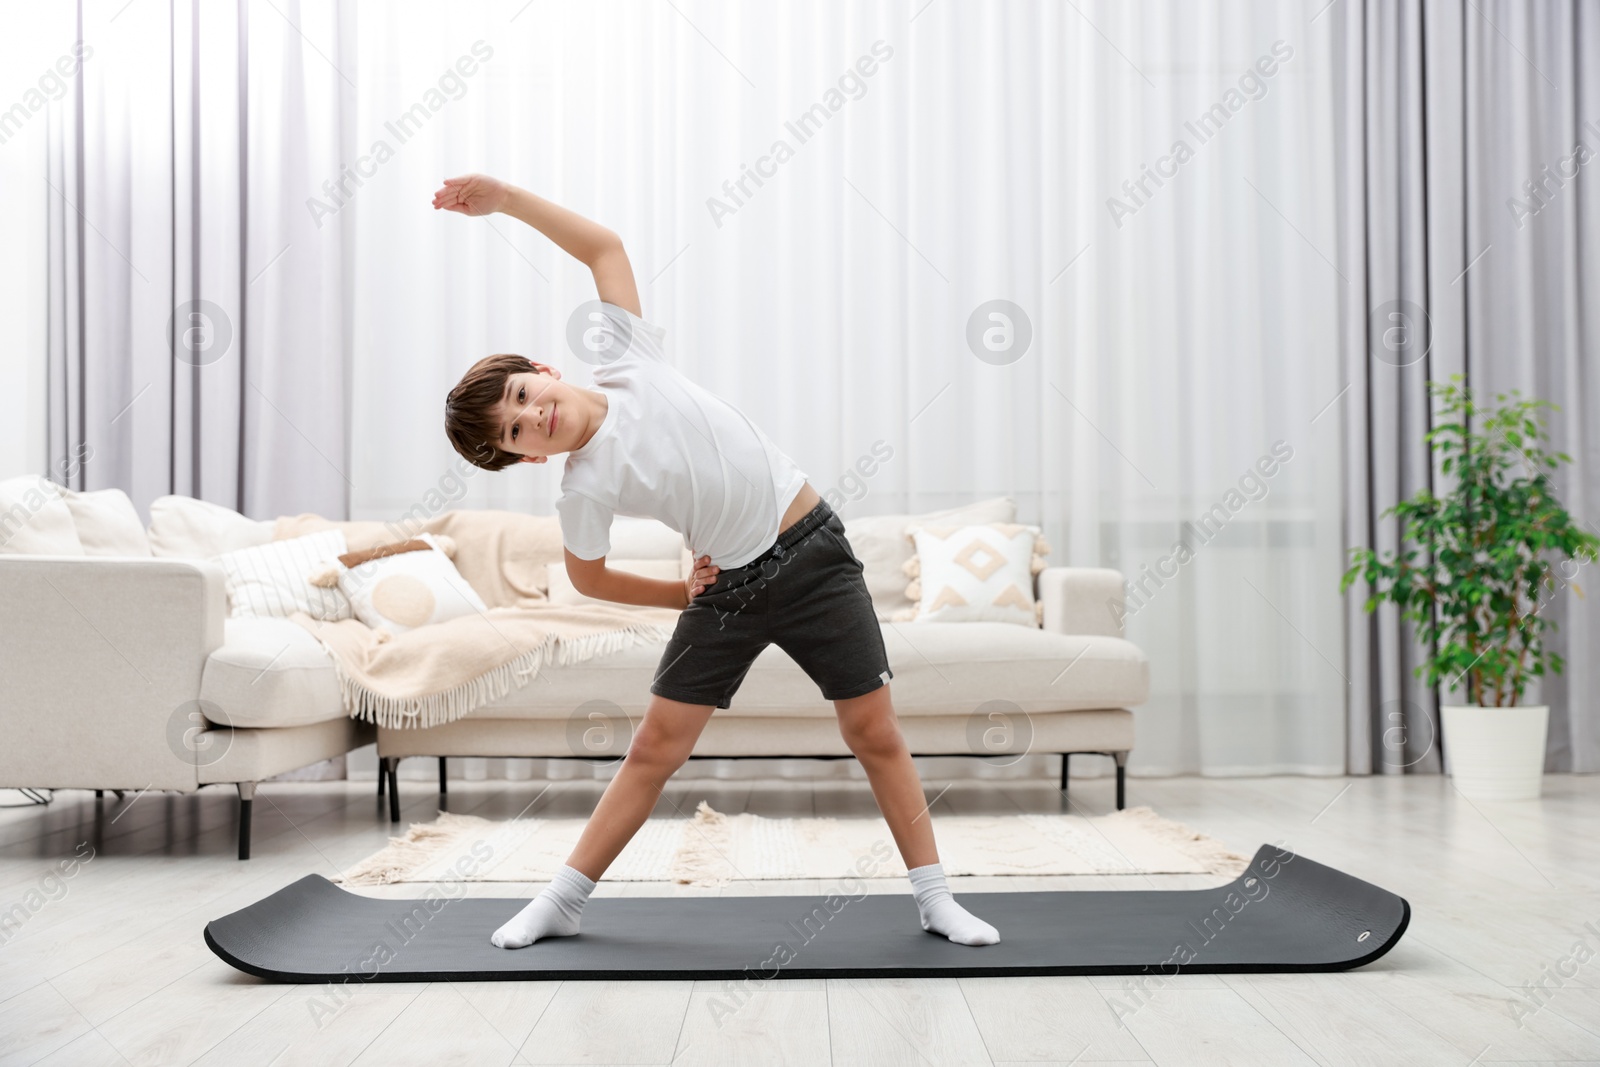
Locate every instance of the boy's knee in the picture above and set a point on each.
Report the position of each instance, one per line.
(872, 734)
(656, 746)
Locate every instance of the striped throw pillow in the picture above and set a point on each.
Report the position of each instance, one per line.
(270, 580)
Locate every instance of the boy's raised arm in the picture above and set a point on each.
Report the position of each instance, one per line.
(587, 241)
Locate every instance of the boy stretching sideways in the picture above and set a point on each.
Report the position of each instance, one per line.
(771, 562)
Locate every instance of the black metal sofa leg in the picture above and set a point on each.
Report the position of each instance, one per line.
(247, 796)
(394, 788)
(1122, 774)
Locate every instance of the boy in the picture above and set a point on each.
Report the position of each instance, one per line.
(771, 560)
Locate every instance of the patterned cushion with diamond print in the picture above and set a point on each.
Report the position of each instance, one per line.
(982, 573)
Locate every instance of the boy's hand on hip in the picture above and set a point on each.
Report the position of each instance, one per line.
(472, 194)
(701, 576)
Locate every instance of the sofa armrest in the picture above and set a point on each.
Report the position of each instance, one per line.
(1082, 600)
(101, 658)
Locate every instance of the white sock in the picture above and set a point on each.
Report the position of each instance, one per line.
(553, 913)
(940, 912)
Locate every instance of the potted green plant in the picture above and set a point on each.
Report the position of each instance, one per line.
(1474, 568)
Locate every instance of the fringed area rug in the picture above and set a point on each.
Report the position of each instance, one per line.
(714, 849)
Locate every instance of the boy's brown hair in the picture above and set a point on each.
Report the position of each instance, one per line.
(469, 410)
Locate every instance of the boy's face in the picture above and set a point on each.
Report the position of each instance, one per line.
(539, 415)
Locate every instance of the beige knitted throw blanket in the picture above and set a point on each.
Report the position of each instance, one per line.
(443, 671)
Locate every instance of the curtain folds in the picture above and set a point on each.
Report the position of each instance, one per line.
(1119, 262)
(196, 325)
(1467, 232)
(828, 231)
(824, 237)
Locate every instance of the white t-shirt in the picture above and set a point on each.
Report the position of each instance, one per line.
(667, 449)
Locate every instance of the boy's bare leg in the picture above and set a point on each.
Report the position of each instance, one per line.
(871, 729)
(869, 726)
(662, 744)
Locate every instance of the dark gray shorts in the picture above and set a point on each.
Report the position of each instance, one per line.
(806, 595)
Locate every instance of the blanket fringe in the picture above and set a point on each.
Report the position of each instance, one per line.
(399, 713)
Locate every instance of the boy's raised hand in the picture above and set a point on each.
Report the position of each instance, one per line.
(471, 194)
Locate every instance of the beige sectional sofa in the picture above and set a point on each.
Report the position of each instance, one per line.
(124, 670)
(115, 639)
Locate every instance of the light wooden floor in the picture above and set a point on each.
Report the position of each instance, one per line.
(109, 966)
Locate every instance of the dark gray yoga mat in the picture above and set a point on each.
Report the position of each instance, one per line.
(1285, 913)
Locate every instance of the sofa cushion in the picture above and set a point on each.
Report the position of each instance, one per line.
(959, 668)
(562, 590)
(272, 672)
(637, 537)
(981, 573)
(107, 522)
(404, 590)
(184, 526)
(882, 545)
(35, 520)
(269, 672)
(274, 580)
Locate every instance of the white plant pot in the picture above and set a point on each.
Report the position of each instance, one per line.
(1495, 753)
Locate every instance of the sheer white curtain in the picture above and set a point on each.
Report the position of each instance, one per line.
(1177, 303)
(163, 173)
(1176, 337)
(28, 50)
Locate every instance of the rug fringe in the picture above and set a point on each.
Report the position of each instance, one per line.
(1216, 857)
(702, 858)
(421, 843)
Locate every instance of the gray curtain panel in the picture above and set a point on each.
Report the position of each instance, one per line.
(1468, 132)
(197, 337)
